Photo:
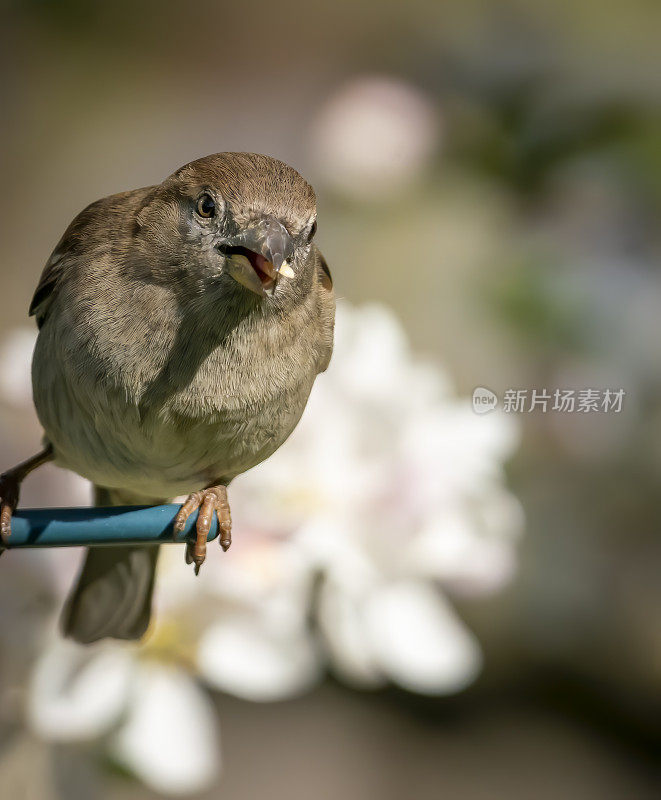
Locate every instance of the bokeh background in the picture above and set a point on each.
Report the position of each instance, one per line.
(489, 184)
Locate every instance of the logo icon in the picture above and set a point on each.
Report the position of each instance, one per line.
(484, 400)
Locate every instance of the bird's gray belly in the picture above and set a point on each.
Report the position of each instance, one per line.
(164, 451)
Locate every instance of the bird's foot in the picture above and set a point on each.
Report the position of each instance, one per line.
(208, 501)
(10, 485)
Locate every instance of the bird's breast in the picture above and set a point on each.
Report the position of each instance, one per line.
(170, 415)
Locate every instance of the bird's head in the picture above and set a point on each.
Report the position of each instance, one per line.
(239, 223)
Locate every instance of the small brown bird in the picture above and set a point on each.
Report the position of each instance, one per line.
(181, 329)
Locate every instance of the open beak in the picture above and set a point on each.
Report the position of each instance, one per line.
(259, 255)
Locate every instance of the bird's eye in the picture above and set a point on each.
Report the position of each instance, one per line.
(313, 230)
(206, 206)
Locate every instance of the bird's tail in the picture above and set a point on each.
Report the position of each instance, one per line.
(112, 597)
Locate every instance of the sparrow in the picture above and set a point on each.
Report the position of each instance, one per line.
(181, 328)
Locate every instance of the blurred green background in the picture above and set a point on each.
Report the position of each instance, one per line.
(492, 172)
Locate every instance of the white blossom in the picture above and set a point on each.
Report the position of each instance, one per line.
(170, 738)
(157, 722)
(349, 544)
(389, 487)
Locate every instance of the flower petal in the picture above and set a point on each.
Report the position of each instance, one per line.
(171, 738)
(250, 658)
(469, 546)
(418, 640)
(77, 693)
(342, 625)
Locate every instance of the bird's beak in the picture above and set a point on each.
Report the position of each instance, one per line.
(259, 255)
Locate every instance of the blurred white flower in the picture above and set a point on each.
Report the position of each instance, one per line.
(247, 657)
(158, 723)
(245, 616)
(374, 136)
(65, 703)
(418, 641)
(170, 738)
(388, 499)
(388, 487)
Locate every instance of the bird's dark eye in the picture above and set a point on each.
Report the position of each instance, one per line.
(313, 230)
(206, 206)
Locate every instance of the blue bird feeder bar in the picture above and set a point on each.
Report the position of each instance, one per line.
(107, 526)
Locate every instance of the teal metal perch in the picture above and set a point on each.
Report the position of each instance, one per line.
(113, 525)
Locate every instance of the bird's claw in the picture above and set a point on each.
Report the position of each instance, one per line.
(9, 492)
(208, 501)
